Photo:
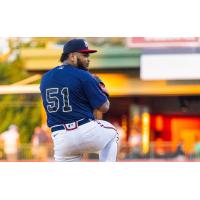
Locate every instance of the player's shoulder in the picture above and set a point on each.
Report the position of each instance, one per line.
(51, 71)
(85, 75)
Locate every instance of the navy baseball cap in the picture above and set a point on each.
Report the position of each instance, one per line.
(77, 45)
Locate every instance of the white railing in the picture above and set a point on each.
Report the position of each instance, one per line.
(165, 151)
(162, 151)
(27, 152)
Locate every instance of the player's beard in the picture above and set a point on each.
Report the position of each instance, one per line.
(81, 65)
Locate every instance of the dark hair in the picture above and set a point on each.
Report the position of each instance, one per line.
(64, 57)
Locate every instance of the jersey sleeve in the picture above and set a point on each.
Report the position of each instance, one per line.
(94, 95)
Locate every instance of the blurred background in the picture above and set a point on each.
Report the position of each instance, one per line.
(154, 86)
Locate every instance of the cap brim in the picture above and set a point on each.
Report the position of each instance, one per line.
(88, 51)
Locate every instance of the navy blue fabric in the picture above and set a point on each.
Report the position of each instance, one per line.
(62, 127)
(76, 45)
(84, 95)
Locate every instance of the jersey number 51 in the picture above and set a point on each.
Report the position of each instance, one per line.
(54, 102)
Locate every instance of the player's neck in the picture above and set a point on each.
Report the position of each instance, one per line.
(68, 62)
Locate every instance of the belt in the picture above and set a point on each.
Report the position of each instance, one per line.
(70, 126)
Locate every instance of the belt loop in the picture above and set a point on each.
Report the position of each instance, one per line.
(69, 129)
(65, 127)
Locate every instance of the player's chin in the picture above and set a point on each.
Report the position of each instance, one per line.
(83, 68)
(86, 67)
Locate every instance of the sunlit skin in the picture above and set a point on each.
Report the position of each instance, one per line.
(81, 60)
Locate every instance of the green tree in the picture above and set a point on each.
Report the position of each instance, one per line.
(19, 109)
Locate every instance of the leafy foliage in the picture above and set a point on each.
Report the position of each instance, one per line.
(19, 109)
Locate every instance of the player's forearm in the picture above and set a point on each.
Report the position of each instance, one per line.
(105, 107)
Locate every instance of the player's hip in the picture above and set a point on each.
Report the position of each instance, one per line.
(92, 136)
(82, 126)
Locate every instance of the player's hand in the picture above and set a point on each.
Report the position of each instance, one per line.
(101, 85)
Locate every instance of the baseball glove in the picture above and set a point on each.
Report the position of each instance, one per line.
(102, 86)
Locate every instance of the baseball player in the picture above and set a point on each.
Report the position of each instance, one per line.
(70, 95)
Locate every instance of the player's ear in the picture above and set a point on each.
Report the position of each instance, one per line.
(72, 57)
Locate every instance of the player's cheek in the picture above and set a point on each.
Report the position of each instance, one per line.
(88, 61)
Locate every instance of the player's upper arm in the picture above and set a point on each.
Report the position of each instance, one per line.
(94, 94)
(105, 107)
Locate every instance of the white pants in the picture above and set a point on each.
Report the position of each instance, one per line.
(95, 136)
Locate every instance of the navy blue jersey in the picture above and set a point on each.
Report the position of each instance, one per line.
(70, 94)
